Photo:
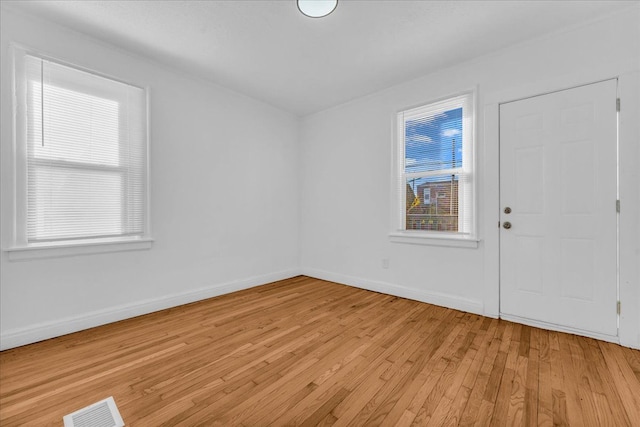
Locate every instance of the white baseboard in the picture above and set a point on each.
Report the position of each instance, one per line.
(558, 328)
(56, 328)
(436, 298)
(43, 331)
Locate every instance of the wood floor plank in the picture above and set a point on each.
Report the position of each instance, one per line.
(571, 381)
(558, 387)
(532, 382)
(545, 382)
(304, 351)
(516, 406)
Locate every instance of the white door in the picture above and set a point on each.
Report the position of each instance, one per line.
(558, 175)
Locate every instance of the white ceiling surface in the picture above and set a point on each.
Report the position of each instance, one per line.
(270, 51)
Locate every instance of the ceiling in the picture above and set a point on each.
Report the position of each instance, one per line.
(270, 51)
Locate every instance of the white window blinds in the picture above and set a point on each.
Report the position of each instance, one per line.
(86, 154)
(435, 170)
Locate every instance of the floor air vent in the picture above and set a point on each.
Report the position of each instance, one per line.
(100, 414)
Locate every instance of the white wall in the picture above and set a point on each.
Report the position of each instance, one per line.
(233, 204)
(346, 171)
(223, 199)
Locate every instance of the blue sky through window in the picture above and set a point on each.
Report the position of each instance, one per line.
(434, 142)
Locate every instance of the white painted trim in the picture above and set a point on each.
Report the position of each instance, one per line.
(56, 328)
(71, 249)
(436, 298)
(554, 327)
(629, 225)
(490, 214)
(433, 240)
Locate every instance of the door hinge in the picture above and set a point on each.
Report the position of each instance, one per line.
(618, 307)
(617, 104)
(618, 206)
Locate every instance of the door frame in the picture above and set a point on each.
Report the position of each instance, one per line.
(629, 188)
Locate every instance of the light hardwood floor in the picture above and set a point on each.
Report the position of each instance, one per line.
(307, 352)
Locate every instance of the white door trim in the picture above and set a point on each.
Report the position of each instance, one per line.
(629, 218)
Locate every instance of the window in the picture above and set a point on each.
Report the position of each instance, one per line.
(426, 196)
(435, 162)
(81, 156)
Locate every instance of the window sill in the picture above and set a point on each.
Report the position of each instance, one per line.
(73, 249)
(454, 241)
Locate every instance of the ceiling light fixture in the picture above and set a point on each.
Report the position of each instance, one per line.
(317, 8)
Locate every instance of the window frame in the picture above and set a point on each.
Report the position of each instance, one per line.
(18, 246)
(399, 233)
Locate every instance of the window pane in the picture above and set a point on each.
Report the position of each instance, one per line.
(432, 203)
(72, 203)
(433, 141)
(77, 127)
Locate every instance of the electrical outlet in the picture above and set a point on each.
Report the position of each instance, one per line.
(385, 263)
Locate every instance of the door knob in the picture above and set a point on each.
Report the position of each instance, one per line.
(507, 225)
(507, 210)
